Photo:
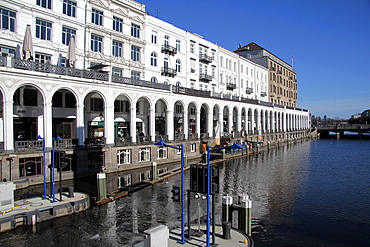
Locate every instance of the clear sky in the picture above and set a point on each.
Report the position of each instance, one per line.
(329, 40)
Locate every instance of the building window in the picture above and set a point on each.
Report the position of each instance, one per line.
(42, 58)
(7, 20)
(30, 166)
(213, 72)
(191, 47)
(116, 48)
(162, 152)
(178, 45)
(166, 40)
(30, 97)
(44, 3)
(221, 61)
(178, 65)
(135, 30)
(154, 37)
(67, 33)
(96, 43)
(116, 71)
(153, 79)
(43, 29)
(144, 154)
(153, 59)
(135, 75)
(69, 8)
(221, 78)
(166, 62)
(117, 24)
(122, 106)
(5, 51)
(97, 17)
(96, 104)
(193, 147)
(124, 156)
(135, 53)
(124, 181)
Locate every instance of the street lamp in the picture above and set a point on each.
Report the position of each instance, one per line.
(234, 146)
(162, 143)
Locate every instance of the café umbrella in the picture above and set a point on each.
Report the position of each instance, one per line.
(27, 48)
(71, 52)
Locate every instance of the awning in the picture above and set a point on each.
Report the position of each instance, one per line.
(119, 119)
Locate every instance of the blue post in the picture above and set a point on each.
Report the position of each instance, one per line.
(208, 195)
(45, 169)
(52, 175)
(182, 195)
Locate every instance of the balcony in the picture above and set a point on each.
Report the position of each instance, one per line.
(263, 94)
(59, 70)
(170, 50)
(249, 90)
(272, 69)
(205, 58)
(205, 77)
(230, 86)
(168, 72)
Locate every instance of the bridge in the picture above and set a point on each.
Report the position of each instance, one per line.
(324, 130)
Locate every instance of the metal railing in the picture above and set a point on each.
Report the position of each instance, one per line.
(179, 137)
(3, 61)
(192, 136)
(142, 83)
(123, 141)
(65, 143)
(93, 142)
(59, 70)
(169, 49)
(205, 77)
(168, 72)
(27, 145)
(205, 58)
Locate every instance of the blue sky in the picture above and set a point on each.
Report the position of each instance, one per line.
(329, 39)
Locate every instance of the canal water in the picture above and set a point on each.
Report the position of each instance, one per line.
(311, 193)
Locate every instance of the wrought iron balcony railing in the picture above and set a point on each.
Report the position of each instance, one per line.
(205, 77)
(205, 58)
(170, 50)
(168, 72)
(249, 90)
(230, 86)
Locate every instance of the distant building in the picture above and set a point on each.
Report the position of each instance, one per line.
(282, 79)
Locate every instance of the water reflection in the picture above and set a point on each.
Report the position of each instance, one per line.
(314, 193)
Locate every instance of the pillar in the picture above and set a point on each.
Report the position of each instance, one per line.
(8, 125)
(227, 213)
(109, 125)
(169, 124)
(80, 124)
(133, 122)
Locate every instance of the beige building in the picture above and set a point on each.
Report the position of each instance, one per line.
(282, 77)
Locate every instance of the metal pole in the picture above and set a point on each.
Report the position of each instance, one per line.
(208, 195)
(45, 169)
(189, 227)
(213, 221)
(182, 196)
(52, 175)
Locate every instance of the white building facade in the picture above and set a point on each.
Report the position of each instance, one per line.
(137, 79)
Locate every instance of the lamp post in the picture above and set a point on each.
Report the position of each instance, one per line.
(162, 143)
(209, 175)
